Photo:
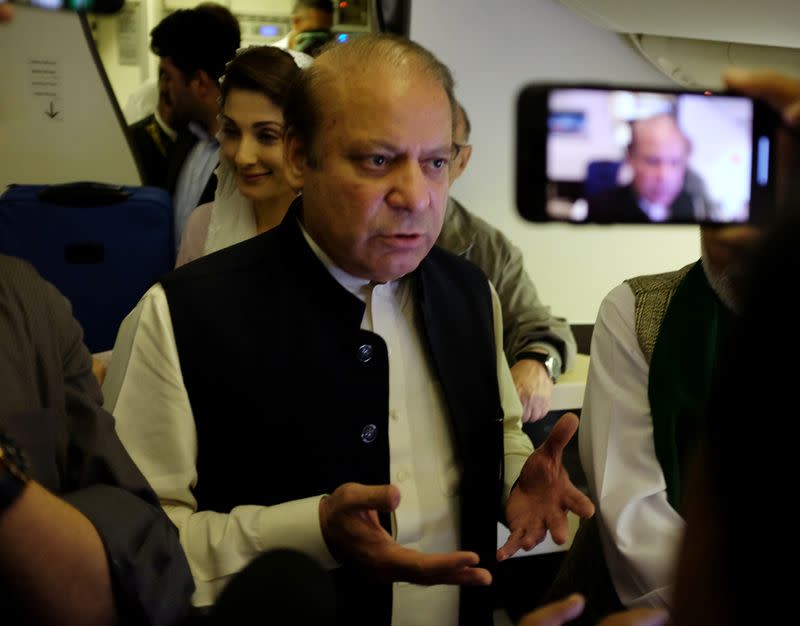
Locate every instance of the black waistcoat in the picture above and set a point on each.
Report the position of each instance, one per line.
(291, 397)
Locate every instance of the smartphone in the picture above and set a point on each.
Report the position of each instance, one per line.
(104, 7)
(590, 153)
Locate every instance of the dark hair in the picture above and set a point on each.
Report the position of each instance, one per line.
(304, 107)
(319, 5)
(197, 39)
(223, 14)
(265, 69)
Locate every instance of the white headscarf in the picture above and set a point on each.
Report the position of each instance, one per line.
(232, 218)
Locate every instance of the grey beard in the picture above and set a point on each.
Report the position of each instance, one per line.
(728, 283)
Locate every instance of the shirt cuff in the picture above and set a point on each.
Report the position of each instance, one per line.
(301, 532)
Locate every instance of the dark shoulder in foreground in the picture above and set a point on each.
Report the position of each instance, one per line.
(18, 276)
(13, 268)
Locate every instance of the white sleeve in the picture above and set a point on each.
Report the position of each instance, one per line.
(517, 446)
(154, 417)
(639, 529)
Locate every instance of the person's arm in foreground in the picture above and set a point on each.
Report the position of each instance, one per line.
(98, 549)
(566, 610)
(54, 561)
(150, 576)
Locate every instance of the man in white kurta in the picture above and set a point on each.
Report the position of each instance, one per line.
(423, 464)
(639, 528)
(370, 211)
(639, 518)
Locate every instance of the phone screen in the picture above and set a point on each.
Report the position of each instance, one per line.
(614, 155)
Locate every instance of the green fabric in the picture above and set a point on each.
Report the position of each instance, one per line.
(682, 371)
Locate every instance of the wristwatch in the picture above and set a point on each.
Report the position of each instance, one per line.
(545, 358)
(13, 471)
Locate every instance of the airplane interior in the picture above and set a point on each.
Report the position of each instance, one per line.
(73, 202)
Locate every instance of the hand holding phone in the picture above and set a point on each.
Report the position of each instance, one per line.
(607, 154)
(782, 92)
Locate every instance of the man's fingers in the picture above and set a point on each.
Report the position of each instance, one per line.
(775, 88)
(542, 408)
(791, 114)
(636, 617)
(452, 568)
(562, 432)
(580, 504)
(6, 12)
(526, 413)
(521, 539)
(384, 498)
(507, 550)
(558, 528)
(556, 613)
(437, 565)
(349, 521)
(359, 536)
(456, 568)
(469, 576)
(536, 409)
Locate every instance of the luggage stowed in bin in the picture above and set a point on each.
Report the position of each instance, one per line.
(101, 245)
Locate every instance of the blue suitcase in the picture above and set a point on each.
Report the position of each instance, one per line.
(101, 245)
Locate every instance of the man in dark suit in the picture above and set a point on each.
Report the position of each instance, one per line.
(337, 385)
(154, 136)
(658, 155)
(194, 45)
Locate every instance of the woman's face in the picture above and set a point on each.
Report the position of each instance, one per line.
(252, 141)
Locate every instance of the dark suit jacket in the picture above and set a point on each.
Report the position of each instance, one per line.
(272, 303)
(152, 147)
(50, 404)
(620, 205)
(183, 146)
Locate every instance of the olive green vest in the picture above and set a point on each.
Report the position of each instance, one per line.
(652, 297)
